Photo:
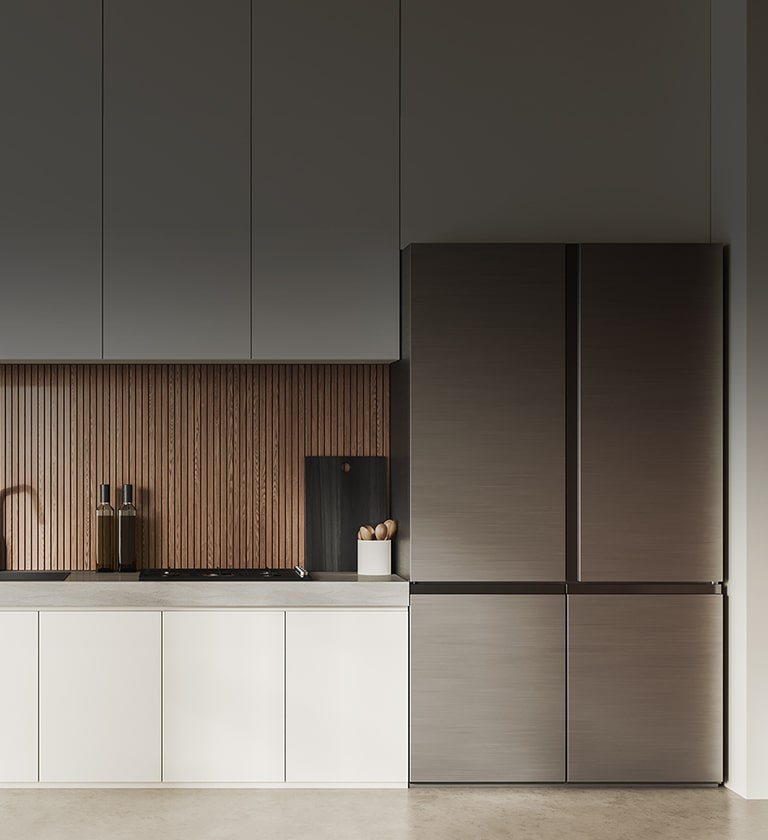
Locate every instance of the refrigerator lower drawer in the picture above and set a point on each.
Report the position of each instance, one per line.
(645, 688)
(487, 688)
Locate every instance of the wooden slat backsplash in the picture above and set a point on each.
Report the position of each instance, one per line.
(215, 454)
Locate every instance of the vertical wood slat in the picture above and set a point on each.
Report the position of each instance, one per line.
(215, 454)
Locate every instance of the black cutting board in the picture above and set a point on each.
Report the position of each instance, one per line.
(340, 495)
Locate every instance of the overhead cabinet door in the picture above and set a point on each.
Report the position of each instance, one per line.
(651, 413)
(487, 390)
(50, 180)
(176, 179)
(325, 180)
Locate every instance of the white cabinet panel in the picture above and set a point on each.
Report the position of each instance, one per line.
(18, 697)
(223, 695)
(100, 696)
(347, 696)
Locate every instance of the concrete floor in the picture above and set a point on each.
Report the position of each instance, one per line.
(424, 813)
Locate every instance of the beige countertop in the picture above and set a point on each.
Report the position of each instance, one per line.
(90, 590)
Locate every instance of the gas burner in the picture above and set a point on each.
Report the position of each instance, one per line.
(297, 573)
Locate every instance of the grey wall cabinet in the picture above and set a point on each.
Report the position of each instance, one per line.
(176, 179)
(651, 413)
(645, 688)
(555, 121)
(488, 688)
(50, 180)
(325, 180)
(478, 434)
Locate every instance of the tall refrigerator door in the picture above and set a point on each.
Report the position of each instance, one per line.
(487, 363)
(645, 688)
(651, 413)
(488, 688)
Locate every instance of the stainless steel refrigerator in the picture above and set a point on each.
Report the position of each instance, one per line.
(557, 473)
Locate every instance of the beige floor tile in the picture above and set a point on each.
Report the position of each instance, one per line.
(444, 813)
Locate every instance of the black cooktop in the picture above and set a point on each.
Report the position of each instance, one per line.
(223, 574)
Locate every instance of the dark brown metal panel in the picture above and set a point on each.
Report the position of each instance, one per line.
(651, 412)
(645, 688)
(487, 688)
(487, 412)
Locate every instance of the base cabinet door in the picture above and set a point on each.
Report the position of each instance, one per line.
(488, 688)
(645, 688)
(100, 696)
(347, 696)
(18, 697)
(223, 696)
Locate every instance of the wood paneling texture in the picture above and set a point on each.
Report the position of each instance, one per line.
(215, 454)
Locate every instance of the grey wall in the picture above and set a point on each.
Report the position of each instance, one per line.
(555, 120)
(740, 218)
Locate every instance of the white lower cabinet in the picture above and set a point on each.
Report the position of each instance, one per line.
(346, 707)
(206, 696)
(100, 696)
(18, 697)
(223, 697)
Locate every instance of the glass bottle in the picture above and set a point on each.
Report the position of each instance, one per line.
(105, 532)
(126, 526)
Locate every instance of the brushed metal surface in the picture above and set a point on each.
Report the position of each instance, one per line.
(651, 412)
(487, 688)
(645, 688)
(487, 361)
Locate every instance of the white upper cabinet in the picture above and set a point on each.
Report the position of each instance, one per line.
(50, 180)
(176, 180)
(325, 181)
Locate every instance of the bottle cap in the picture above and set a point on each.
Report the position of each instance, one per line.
(104, 494)
(127, 494)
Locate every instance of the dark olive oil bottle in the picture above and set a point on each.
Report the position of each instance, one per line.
(126, 526)
(105, 532)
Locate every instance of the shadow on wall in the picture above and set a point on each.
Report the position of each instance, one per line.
(21, 488)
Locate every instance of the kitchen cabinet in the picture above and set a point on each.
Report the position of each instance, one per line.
(488, 688)
(325, 180)
(50, 171)
(176, 180)
(651, 419)
(223, 697)
(478, 414)
(346, 704)
(18, 699)
(550, 120)
(645, 688)
(100, 696)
